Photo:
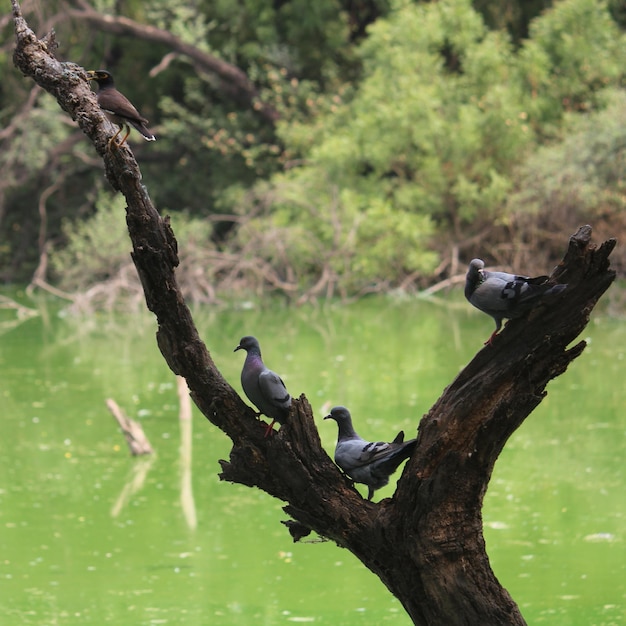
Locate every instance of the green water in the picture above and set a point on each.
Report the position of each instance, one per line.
(89, 535)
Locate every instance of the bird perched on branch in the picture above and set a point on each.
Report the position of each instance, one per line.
(118, 107)
(264, 388)
(367, 462)
(503, 295)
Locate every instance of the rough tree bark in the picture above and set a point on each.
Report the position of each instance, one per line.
(426, 542)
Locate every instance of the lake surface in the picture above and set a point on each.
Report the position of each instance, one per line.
(89, 535)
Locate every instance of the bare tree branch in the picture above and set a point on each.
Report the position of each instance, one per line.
(234, 82)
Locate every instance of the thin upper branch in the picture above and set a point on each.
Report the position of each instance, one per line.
(235, 82)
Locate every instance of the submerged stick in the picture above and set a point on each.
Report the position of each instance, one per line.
(133, 432)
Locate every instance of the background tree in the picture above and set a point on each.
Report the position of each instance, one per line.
(561, 185)
(431, 140)
(425, 543)
(392, 134)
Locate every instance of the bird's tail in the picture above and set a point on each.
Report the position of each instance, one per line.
(555, 289)
(534, 293)
(143, 129)
(391, 463)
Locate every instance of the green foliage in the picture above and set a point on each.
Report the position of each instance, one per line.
(288, 49)
(430, 139)
(182, 20)
(428, 142)
(575, 51)
(424, 137)
(96, 247)
(393, 143)
(35, 136)
(511, 15)
(317, 229)
(581, 177)
(307, 38)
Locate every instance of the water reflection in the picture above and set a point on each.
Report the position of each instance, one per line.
(187, 501)
(134, 484)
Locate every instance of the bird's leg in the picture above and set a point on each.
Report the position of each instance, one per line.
(126, 135)
(370, 493)
(268, 428)
(112, 140)
(489, 341)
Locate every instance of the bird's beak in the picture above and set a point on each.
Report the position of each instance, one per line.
(91, 74)
(237, 348)
(328, 417)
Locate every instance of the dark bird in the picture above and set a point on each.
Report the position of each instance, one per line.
(118, 107)
(503, 295)
(264, 388)
(367, 462)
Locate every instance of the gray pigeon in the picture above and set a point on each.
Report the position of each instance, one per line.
(367, 462)
(264, 388)
(503, 295)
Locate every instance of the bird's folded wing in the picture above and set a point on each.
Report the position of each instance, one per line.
(272, 387)
(358, 452)
(522, 291)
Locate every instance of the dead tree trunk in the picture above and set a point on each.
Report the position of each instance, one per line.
(426, 543)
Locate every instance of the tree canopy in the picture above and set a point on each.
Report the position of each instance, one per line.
(328, 148)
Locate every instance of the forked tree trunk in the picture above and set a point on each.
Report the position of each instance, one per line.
(426, 542)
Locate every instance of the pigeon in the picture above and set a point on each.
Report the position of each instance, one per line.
(264, 388)
(503, 295)
(367, 462)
